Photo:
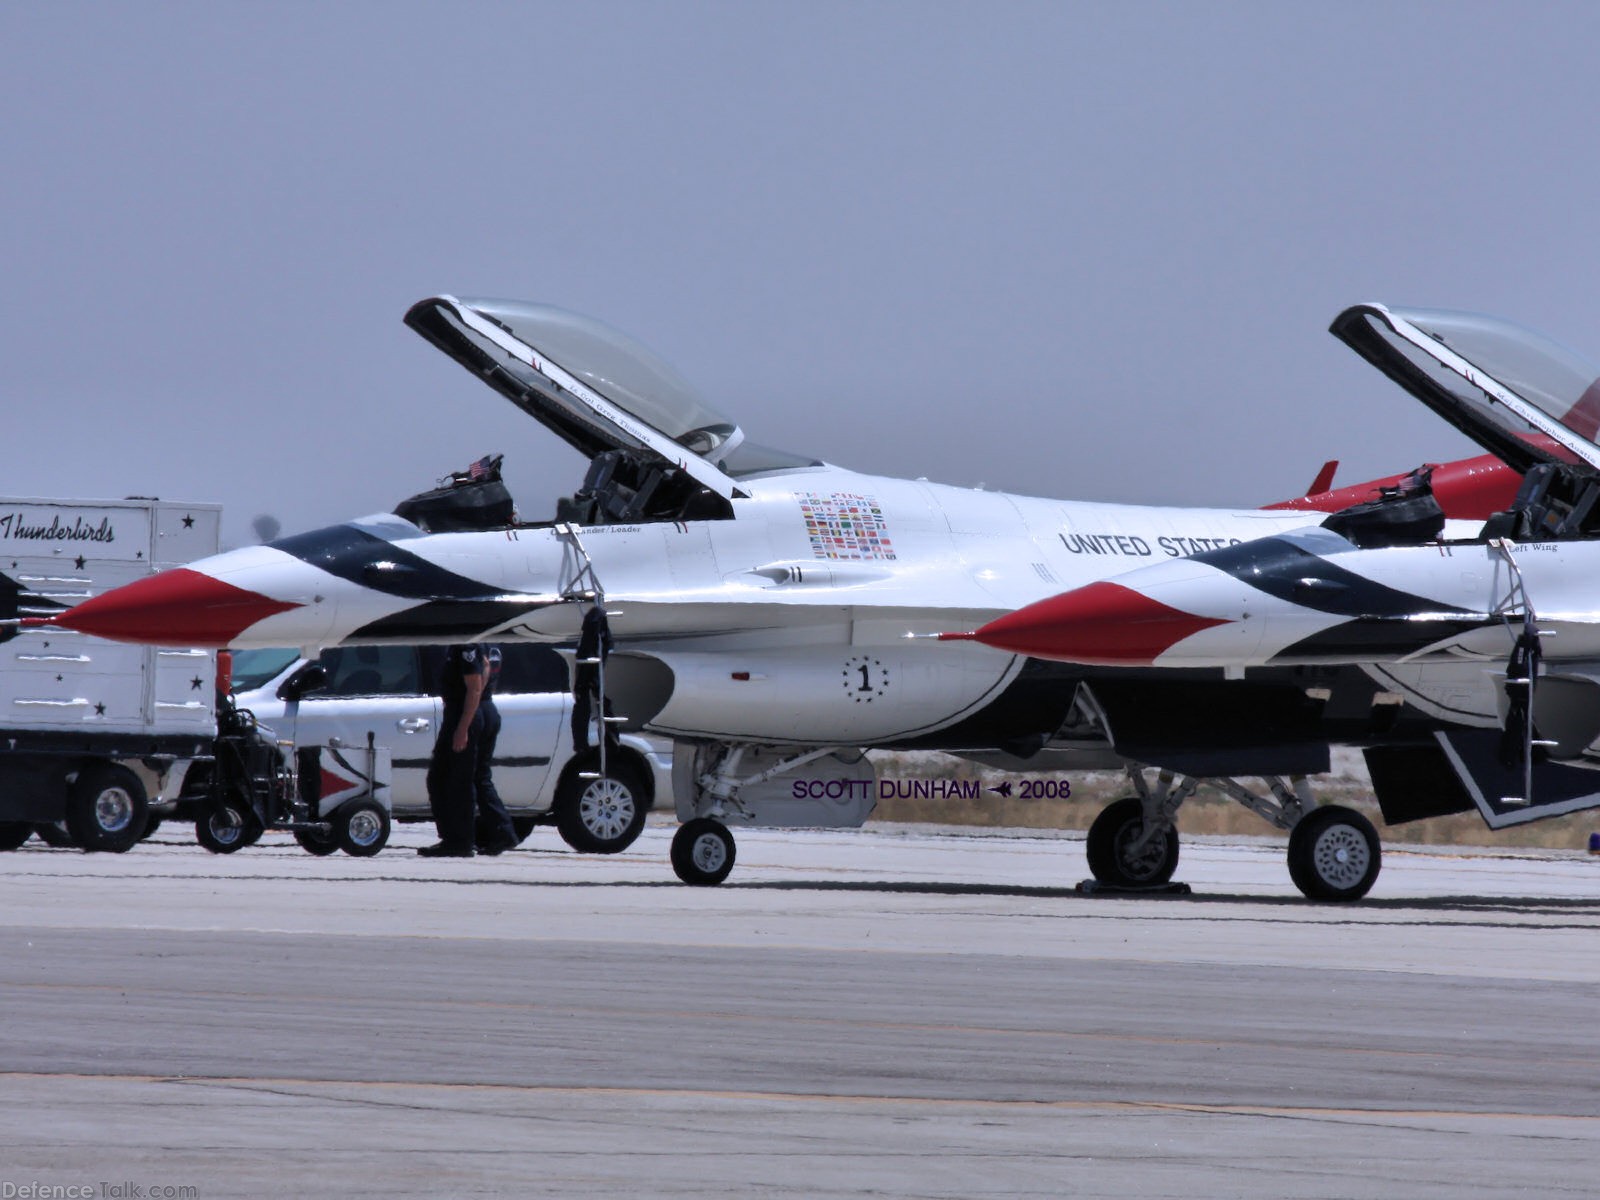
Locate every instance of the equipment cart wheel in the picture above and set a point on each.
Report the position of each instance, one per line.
(14, 833)
(702, 852)
(1334, 854)
(600, 816)
(320, 844)
(107, 809)
(1112, 858)
(361, 827)
(231, 826)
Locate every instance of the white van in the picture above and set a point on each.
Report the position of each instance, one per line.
(391, 692)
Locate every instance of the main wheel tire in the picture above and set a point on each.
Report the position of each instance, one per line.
(702, 852)
(1111, 860)
(54, 833)
(1334, 854)
(14, 833)
(107, 808)
(361, 827)
(320, 844)
(230, 826)
(600, 816)
(150, 827)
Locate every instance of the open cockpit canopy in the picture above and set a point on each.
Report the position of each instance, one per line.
(1523, 397)
(597, 388)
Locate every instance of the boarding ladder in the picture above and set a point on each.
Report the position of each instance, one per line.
(1522, 668)
(583, 586)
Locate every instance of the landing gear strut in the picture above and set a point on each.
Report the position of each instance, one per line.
(1334, 853)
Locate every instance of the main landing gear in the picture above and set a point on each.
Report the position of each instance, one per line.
(1334, 852)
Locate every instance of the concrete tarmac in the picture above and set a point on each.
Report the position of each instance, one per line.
(891, 1012)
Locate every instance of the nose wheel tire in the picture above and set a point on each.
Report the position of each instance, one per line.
(702, 852)
(1116, 858)
(1334, 854)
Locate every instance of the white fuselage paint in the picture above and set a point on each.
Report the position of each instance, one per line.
(789, 622)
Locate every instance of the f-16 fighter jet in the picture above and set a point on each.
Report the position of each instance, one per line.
(1493, 627)
(774, 614)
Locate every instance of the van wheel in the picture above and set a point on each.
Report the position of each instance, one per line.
(107, 809)
(600, 816)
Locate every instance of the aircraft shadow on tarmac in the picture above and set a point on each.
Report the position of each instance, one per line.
(1483, 906)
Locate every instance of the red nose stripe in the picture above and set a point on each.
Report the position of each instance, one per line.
(1103, 624)
(175, 608)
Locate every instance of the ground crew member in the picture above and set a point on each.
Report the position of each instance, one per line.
(495, 833)
(452, 772)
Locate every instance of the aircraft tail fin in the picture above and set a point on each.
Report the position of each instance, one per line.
(1324, 480)
(17, 602)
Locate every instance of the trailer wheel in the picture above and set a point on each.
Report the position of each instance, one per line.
(107, 809)
(362, 828)
(229, 826)
(14, 833)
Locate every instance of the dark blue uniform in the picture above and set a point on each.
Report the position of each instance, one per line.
(494, 829)
(452, 773)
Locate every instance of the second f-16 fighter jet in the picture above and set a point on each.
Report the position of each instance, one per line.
(1492, 628)
(776, 615)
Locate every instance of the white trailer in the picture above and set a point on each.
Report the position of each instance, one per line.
(91, 731)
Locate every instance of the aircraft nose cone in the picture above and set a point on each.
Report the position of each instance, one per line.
(1101, 624)
(180, 607)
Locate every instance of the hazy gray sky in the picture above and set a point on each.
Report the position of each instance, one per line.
(1069, 249)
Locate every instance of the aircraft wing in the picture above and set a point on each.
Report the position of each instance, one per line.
(1523, 397)
(594, 386)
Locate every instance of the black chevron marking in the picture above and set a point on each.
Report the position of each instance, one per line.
(1382, 622)
(363, 558)
(1289, 572)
